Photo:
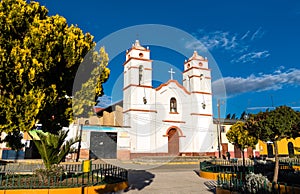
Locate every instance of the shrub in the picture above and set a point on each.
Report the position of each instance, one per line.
(256, 183)
(53, 173)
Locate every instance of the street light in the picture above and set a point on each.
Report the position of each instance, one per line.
(219, 128)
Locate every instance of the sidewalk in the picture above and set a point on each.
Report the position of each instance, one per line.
(153, 182)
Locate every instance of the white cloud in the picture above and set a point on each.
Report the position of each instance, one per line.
(263, 82)
(104, 101)
(257, 34)
(213, 40)
(251, 57)
(239, 46)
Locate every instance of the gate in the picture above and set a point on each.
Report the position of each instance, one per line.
(103, 145)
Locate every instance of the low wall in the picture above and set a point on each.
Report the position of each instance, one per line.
(78, 190)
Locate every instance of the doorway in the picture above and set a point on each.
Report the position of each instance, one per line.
(173, 142)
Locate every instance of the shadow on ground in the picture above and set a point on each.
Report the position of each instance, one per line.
(139, 179)
(210, 184)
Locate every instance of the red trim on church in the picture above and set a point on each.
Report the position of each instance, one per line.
(139, 110)
(174, 127)
(195, 60)
(201, 68)
(136, 59)
(146, 50)
(174, 81)
(199, 114)
(171, 121)
(195, 92)
(136, 85)
(134, 67)
(198, 76)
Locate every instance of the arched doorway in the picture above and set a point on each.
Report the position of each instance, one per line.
(291, 149)
(173, 142)
(270, 150)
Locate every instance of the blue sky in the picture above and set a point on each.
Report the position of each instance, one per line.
(256, 44)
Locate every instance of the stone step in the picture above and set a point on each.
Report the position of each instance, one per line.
(151, 159)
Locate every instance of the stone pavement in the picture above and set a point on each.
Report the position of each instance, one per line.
(169, 182)
(165, 178)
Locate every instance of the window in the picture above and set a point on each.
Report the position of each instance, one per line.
(223, 129)
(140, 73)
(173, 105)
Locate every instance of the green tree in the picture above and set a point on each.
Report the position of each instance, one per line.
(274, 125)
(240, 137)
(14, 141)
(39, 58)
(52, 147)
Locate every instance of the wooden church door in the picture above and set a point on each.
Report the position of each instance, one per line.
(173, 142)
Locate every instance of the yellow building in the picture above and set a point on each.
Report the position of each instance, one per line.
(286, 147)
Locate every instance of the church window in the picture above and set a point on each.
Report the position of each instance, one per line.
(141, 55)
(140, 73)
(200, 64)
(173, 105)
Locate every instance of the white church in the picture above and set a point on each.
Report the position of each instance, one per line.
(172, 119)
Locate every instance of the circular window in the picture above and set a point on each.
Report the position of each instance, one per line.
(141, 54)
(200, 64)
(188, 65)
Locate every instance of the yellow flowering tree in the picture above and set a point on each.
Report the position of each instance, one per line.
(39, 58)
(240, 137)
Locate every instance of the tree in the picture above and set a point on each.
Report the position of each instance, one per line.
(14, 141)
(275, 125)
(240, 137)
(39, 58)
(86, 94)
(52, 147)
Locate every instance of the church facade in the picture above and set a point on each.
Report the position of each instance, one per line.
(172, 119)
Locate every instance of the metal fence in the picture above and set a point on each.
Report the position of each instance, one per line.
(236, 183)
(226, 166)
(73, 177)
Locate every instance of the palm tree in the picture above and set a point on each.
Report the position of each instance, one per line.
(52, 147)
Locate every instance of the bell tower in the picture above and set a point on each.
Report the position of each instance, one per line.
(197, 80)
(138, 97)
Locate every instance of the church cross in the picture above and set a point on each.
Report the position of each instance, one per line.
(171, 72)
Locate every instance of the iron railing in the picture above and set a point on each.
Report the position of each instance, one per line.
(236, 183)
(73, 177)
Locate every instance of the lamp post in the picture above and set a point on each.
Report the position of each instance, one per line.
(219, 128)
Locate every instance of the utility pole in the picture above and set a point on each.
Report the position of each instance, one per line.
(219, 127)
(79, 143)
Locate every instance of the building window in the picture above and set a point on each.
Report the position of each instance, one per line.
(223, 129)
(173, 105)
(140, 73)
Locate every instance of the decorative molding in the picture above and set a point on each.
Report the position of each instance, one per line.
(173, 112)
(195, 92)
(139, 110)
(171, 121)
(140, 59)
(198, 76)
(174, 81)
(200, 114)
(201, 68)
(136, 85)
(135, 67)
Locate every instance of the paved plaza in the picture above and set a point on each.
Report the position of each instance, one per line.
(169, 179)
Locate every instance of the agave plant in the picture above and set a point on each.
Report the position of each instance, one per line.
(52, 147)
